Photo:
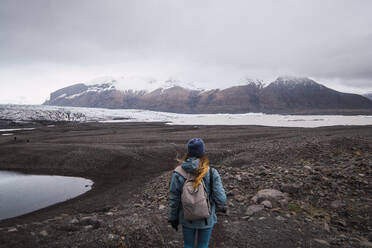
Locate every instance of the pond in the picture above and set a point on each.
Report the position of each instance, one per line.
(23, 193)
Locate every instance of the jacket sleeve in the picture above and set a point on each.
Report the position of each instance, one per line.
(175, 196)
(218, 195)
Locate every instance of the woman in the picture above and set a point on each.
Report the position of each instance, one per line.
(196, 163)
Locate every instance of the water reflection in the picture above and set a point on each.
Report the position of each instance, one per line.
(21, 193)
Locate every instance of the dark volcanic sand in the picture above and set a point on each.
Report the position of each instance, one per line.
(130, 165)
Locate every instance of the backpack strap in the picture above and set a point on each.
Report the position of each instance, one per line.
(210, 183)
(210, 190)
(179, 170)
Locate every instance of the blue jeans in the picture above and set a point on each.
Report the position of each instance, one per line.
(189, 237)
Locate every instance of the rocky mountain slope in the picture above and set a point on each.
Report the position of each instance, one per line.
(368, 95)
(285, 95)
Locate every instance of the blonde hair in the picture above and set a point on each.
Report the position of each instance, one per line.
(201, 171)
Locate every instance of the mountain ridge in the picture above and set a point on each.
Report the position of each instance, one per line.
(368, 95)
(289, 95)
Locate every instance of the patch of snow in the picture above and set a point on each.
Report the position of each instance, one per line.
(93, 88)
(16, 129)
(7, 134)
(61, 96)
(292, 80)
(141, 83)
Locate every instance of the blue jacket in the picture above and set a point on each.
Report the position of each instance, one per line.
(218, 195)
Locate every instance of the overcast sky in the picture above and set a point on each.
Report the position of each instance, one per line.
(49, 44)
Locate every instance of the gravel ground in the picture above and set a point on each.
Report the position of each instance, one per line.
(323, 176)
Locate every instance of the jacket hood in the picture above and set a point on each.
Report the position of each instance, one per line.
(190, 165)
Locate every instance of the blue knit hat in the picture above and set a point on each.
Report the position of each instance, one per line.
(195, 147)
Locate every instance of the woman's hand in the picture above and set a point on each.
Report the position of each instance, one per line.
(174, 224)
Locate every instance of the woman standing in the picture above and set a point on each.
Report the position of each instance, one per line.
(196, 165)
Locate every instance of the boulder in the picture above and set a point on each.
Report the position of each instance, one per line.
(276, 197)
(251, 210)
(90, 221)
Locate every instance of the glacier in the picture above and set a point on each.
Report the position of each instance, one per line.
(22, 113)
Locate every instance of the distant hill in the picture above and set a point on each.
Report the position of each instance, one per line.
(289, 95)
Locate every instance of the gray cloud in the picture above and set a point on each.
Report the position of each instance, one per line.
(212, 41)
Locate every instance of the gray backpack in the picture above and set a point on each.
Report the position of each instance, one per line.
(195, 202)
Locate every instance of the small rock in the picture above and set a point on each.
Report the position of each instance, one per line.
(112, 240)
(88, 227)
(280, 218)
(267, 204)
(263, 173)
(283, 203)
(239, 197)
(316, 178)
(109, 213)
(342, 237)
(251, 210)
(339, 222)
(354, 239)
(321, 241)
(74, 221)
(337, 204)
(161, 207)
(238, 177)
(43, 233)
(365, 243)
(308, 168)
(13, 229)
(326, 226)
(93, 221)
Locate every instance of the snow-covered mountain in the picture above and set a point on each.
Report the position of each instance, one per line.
(368, 95)
(284, 95)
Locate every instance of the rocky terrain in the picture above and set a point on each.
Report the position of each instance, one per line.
(286, 95)
(286, 187)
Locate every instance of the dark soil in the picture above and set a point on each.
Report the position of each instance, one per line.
(325, 171)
